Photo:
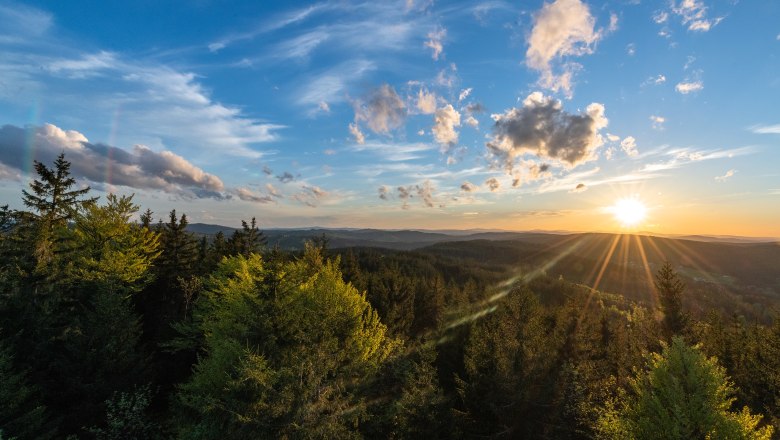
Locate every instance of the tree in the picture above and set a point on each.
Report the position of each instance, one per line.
(53, 204)
(52, 199)
(20, 413)
(282, 363)
(248, 240)
(681, 395)
(670, 288)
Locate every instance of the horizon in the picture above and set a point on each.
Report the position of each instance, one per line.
(567, 115)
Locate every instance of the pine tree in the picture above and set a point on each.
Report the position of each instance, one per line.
(670, 288)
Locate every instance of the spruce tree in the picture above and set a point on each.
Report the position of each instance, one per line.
(670, 288)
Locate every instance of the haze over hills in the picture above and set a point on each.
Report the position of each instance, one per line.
(293, 238)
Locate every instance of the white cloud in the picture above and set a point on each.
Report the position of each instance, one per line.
(658, 122)
(331, 85)
(434, 42)
(631, 49)
(563, 28)
(766, 129)
(726, 176)
(628, 144)
(426, 102)
(472, 121)
(661, 17)
(613, 22)
(541, 127)
(464, 94)
(689, 87)
(445, 122)
(694, 15)
(358, 135)
(382, 110)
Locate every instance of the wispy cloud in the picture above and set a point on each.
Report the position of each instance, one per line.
(766, 129)
(728, 175)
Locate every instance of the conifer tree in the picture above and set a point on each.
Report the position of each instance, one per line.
(670, 289)
(682, 395)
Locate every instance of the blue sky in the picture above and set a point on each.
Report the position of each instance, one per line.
(411, 114)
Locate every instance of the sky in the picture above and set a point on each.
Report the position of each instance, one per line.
(525, 115)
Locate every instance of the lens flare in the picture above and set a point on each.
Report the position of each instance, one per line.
(629, 211)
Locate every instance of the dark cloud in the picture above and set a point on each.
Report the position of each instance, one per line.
(493, 184)
(543, 128)
(139, 168)
(468, 187)
(267, 170)
(248, 196)
(425, 191)
(579, 188)
(384, 192)
(285, 177)
(475, 107)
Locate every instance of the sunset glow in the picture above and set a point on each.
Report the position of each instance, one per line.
(405, 114)
(630, 212)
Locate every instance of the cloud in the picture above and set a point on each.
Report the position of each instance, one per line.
(628, 144)
(382, 110)
(726, 176)
(472, 121)
(493, 184)
(541, 127)
(425, 191)
(475, 108)
(384, 192)
(447, 76)
(331, 85)
(139, 168)
(654, 80)
(358, 135)
(631, 49)
(310, 195)
(689, 87)
(273, 191)
(267, 170)
(248, 196)
(434, 42)
(563, 28)
(468, 187)
(766, 129)
(658, 122)
(285, 177)
(579, 188)
(394, 152)
(694, 15)
(464, 94)
(88, 65)
(661, 17)
(19, 20)
(529, 171)
(445, 121)
(426, 102)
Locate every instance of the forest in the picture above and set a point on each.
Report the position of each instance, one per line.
(116, 324)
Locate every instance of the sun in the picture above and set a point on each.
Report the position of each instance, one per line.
(629, 211)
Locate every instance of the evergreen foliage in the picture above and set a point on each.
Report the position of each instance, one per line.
(681, 395)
